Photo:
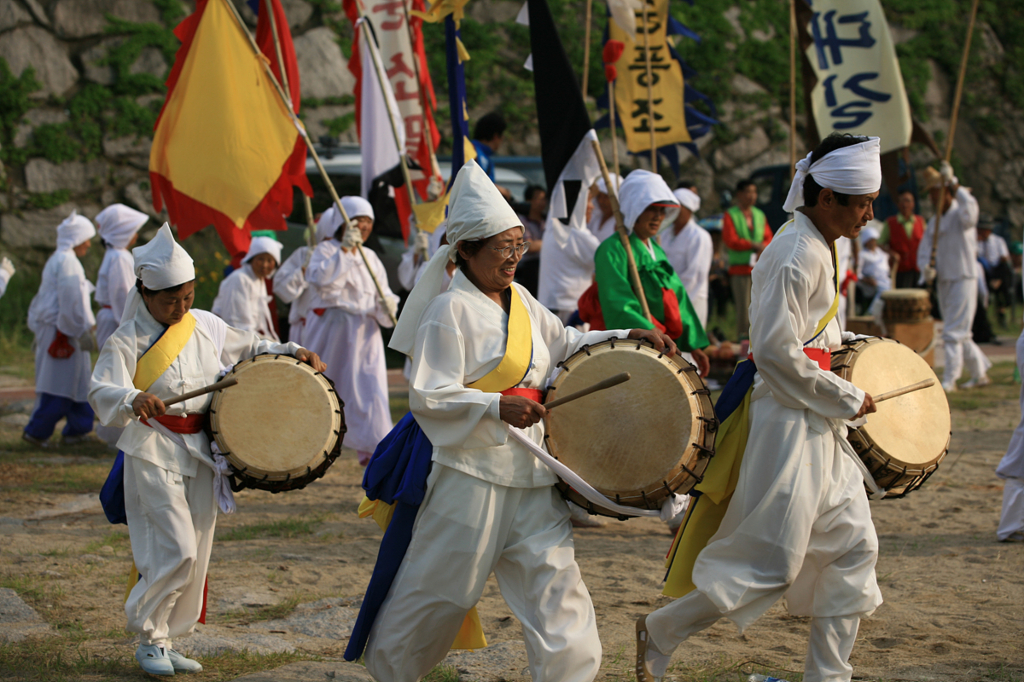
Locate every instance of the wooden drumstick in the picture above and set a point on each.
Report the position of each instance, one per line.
(599, 386)
(223, 383)
(906, 389)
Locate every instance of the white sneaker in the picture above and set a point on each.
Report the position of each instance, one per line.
(581, 518)
(978, 382)
(154, 660)
(182, 664)
(949, 388)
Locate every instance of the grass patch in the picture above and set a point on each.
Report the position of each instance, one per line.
(285, 528)
(117, 540)
(50, 478)
(264, 613)
(1003, 389)
(442, 673)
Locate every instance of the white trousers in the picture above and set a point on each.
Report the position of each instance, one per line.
(466, 528)
(170, 522)
(828, 649)
(958, 301)
(1012, 519)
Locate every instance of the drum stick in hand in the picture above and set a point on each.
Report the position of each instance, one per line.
(599, 386)
(223, 383)
(927, 383)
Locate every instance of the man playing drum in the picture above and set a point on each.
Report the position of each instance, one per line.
(163, 349)
(798, 524)
(482, 351)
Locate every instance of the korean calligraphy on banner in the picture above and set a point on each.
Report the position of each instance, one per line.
(665, 110)
(860, 87)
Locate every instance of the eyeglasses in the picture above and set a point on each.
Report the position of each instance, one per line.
(507, 251)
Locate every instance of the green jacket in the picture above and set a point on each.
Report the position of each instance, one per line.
(619, 305)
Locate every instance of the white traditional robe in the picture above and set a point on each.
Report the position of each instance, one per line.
(690, 252)
(115, 279)
(956, 265)
(62, 303)
(1011, 468)
(4, 279)
(242, 301)
(290, 286)
(566, 266)
(169, 497)
(347, 337)
(489, 506)
(798, 524)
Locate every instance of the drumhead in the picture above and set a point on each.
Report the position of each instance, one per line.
(629, 441)
(280, 421)
(905, 294)
(914, 428)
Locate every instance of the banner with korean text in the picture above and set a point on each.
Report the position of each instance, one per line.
(860, 87)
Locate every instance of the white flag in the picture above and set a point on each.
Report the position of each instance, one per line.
(624, 14)
(377, 102)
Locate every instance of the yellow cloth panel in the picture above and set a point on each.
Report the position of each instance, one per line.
(225, 134)
(161, 354)
(429, 214)
(518, 351)
(133, 578)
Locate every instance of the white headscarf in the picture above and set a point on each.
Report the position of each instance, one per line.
(688, 198)
(330, 221)
(357, 206)
(848, 170)
(75, 230)
(869, 233)
(119, 223)
(616, 182)
(639, 190)
(264, 245)
(160, 264)
(476, 210)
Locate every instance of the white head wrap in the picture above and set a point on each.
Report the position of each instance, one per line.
(357, 206)
(616, 182)
(476, 210)
(849, 170)
(264, 245)
(688, 198)
(119, 223)
(639, 190)
(330, 221)
(869, 233)
(160, 264)
(75, 230)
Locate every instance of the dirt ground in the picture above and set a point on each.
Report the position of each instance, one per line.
(954, 597)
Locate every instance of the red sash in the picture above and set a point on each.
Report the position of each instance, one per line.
(107, 307)
(589, 306)
(60, 348)
(822, 356)
(534, 394)
(319, 311)
(190, 423)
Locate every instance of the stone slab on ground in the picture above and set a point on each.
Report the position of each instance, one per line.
(330, 618)
(496, 663)
(209, 640)
(18, 620)
(310, 671)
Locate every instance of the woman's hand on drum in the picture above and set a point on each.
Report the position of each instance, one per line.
(147, 405)
(661, 341)
(703, 364)
(311, 359)
(867, 407)
(519, 411)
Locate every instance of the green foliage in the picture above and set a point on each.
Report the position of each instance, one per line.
(14, 102)
(171, 11)
(336, 126)
(49, 199)
(135, 38)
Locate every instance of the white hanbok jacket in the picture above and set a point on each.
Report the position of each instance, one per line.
(290, 286)
(566, 265)
(242, 301)
(461, 337)
(214, 345)
(62, 303)
(690, 252)
(958, 239)
(115, 280)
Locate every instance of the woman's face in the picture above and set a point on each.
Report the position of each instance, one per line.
(168, 307)
(649, 222)
(82, 248)
(263, 265)
(489, 269)
(365, 225)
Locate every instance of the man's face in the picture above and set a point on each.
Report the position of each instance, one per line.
(906, 204)
(263, 265)
(168, 307)
(852, 218)
(747, 196)
(539, 201)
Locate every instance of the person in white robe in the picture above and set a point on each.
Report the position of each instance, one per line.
(290, 283)
(242, 299)
(61, 318)
(689, 249)
(956, 272)
(6, 272)
(1011, 470)
(416, 256)
(169, 471)
(602, 221)
(345, 327)
(874, 275)
(798, 524)
(844, 264)
(490, 505)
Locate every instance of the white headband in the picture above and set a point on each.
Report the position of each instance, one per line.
(849, 170)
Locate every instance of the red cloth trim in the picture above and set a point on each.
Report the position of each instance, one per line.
(60, 348)
(534, 394)
(106, 306)
(190, 423)
(673, 325)
(319, 311)
(202, 614)
(822, 356)
(589, 307)
(851, 276)
(265, 41)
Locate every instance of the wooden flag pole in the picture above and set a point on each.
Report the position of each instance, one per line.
(792, 88)
(620, 228)
(311, 228)
(309, 145)
(650, 86)
(586, 48)
(952, 128)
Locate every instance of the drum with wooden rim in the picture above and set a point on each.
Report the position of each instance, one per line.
(281, 427)
(640, 441)
(906, 305)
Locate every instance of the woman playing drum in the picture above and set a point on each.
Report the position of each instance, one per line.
(481, 351)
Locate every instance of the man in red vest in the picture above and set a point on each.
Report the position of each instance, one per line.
(746, 232)
(901, 236)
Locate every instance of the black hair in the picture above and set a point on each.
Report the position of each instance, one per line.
(489, 126)
(743, 184)
(686, 183)
(472, 248)
(831, 143)
(143, 291)
(531, 190)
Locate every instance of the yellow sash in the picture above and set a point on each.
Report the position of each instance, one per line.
(150, 366)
